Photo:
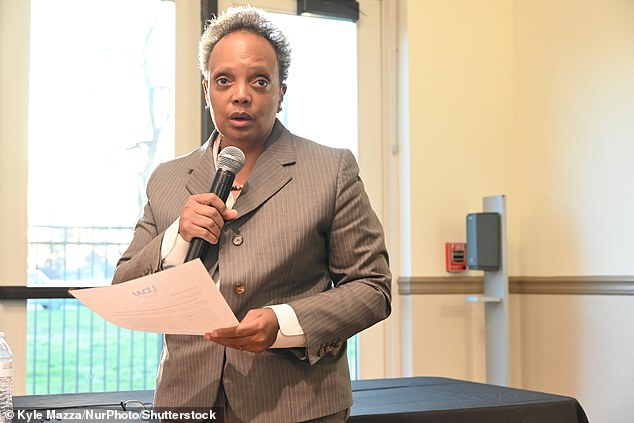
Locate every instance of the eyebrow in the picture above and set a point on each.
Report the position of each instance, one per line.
(257, 69)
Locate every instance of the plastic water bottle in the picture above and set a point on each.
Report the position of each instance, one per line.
(6, 380)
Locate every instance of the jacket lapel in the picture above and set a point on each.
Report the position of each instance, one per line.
(201, 175)
(268, 176)
(270, 173)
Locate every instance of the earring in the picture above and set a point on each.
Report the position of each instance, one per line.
(207, 107)
(279, 109)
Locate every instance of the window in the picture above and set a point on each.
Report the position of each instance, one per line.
(329, 119)
(101, 117)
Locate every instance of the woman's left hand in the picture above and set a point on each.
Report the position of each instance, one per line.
(255, 333)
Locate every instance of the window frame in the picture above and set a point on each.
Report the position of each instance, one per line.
(378, 346)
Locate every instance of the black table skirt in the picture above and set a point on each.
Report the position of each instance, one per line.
(441, 400)
(407, 400)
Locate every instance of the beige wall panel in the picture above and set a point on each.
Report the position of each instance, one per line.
(575, 345)
(447, 337)
(461, 117)
(547, 89)
(575, 89)
(14, 95)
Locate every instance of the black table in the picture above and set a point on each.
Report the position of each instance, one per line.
(441, 400)
(418, 399)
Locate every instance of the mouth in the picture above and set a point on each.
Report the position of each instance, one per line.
(240, 118)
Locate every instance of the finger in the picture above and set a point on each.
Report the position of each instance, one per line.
(199, 227)
(239, 331)
(208, 205)
(203, 227)
(211, 200)
(200, 220)
(230, 214)
(217, 223)
(254, 344)
(208, 199)
(241, 343)
(205, 210)
(224, 333)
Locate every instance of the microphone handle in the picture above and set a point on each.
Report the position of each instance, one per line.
(221, 186)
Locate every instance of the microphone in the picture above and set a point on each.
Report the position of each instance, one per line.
(230, 161)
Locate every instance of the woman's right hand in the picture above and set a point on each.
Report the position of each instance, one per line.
(203, 216)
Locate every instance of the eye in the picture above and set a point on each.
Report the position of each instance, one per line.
(261, 83)
(222, 81)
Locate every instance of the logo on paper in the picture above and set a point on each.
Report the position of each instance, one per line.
(144, 291)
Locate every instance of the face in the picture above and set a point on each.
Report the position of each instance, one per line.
(243, 88)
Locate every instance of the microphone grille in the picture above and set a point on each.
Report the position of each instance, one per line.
(231, 158)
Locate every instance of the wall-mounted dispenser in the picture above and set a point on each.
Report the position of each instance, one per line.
(483, 241)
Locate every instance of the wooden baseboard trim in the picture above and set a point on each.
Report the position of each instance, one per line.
(544, 285)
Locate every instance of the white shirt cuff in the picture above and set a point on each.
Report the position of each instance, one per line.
(291, 334)
(173, 247)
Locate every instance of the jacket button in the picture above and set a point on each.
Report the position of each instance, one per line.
(239, 288)
(237, 240)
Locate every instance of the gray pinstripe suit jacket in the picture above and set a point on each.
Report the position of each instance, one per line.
(311, 240)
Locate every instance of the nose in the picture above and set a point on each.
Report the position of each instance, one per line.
(241, 93)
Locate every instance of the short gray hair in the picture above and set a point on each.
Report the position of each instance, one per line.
(244, 19)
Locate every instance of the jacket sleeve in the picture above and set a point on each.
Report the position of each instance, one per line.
(143, 255)
(358, 266)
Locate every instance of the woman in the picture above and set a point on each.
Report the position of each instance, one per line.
(300, 254)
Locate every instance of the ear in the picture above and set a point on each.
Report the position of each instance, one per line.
(205, 84)
(282, 93)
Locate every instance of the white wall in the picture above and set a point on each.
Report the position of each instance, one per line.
(575, 90)
(534, 99)
(579, 346)
(461, 80)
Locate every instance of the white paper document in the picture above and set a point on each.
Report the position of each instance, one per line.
(181, 300)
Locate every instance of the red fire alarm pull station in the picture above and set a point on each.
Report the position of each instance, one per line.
(455, 256)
